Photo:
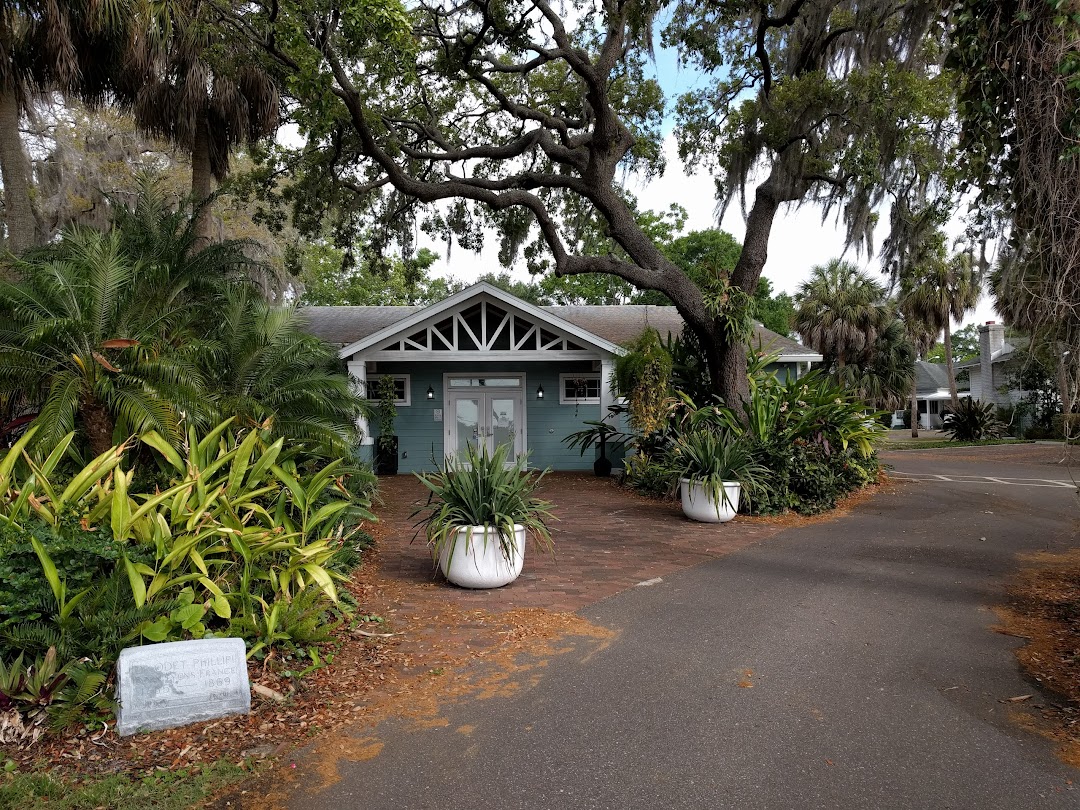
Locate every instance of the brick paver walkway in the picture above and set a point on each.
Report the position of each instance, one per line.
(607, 539)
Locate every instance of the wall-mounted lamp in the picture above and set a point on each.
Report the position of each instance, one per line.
(539, 392)
(430, 392)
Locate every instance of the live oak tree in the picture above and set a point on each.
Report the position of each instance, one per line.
(527, 116)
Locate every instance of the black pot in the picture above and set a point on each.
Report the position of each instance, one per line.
(602, 466)
(386, 455)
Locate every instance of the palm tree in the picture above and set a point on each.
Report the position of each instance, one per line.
(186, 82)
(921, 336)
(841, 312)
(267, 371)
(942, 291)
(884, 377)
(46, 46)
(80, 338)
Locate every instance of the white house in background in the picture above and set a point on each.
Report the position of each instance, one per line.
(932, 393)
(989, 374)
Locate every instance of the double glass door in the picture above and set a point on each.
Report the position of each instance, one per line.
(485, 419)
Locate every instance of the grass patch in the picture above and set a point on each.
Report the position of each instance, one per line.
(930, 444)
(162, 790)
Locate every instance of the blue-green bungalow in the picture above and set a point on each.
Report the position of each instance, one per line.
(483, 366)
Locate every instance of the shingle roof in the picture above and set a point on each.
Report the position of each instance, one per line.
(930, 377)
(344, 325)
(617, 324)
(1003, 355)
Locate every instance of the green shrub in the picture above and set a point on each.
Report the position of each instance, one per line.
(1060, 421)
(82, 556)
(239, 536)
(971, 421)
(647, 476)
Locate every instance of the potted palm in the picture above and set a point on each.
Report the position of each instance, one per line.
(599, 434)
(386, 445)
(712, 469)
(480, 510)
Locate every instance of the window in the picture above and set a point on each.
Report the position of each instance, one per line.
(485, 382)
(579, 389)
(402, 389)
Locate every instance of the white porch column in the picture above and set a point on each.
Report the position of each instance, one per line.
(358, 371)
(606, 397)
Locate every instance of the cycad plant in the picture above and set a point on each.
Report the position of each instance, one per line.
(478, 488)
(266, 370)
(971, 421)
(77, 339)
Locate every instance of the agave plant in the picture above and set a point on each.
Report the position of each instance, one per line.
(478, 488)
(972, 421)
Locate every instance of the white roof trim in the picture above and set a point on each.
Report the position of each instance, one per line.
(799, 358)
(475, 291)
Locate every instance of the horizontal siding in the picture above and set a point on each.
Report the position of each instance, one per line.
(420, 437)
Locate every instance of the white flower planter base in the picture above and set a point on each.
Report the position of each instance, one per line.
(479, 562)
(697, 504)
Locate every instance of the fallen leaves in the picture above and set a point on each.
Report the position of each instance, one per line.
(1044, 603)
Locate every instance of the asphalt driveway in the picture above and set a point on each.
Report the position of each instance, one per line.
(846, 664)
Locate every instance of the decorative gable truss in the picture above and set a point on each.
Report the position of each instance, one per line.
(482, 327)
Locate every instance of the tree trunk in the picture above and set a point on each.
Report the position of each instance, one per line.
(915, 407)
(949, 370)
(98, 425)
(201, 183)
(19, 215)
(730, 380)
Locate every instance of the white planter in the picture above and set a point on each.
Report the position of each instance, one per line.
(478, 560)
(697, 504)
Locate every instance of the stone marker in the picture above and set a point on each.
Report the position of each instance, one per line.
(179, 682)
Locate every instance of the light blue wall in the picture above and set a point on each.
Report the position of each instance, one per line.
(420, 437)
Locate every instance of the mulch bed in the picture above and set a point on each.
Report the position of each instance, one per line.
(1044, 609)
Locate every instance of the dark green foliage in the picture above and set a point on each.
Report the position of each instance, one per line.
(350, 555)
(82, 557)
(102, 623)
(971, 420)
(815, 439)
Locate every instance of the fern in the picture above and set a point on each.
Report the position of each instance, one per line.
(85, 687)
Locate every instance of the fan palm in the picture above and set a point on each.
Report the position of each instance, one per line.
(940, 292)
(841, 312)
(268, 371)
(185, 81)
(886, 374)
(82, 335)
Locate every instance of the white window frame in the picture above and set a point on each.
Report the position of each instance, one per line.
(373, 386)
(584, 375)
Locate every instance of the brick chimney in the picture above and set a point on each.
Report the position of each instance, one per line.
(991, 341)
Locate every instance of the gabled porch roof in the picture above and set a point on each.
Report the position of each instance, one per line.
(461, 324)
